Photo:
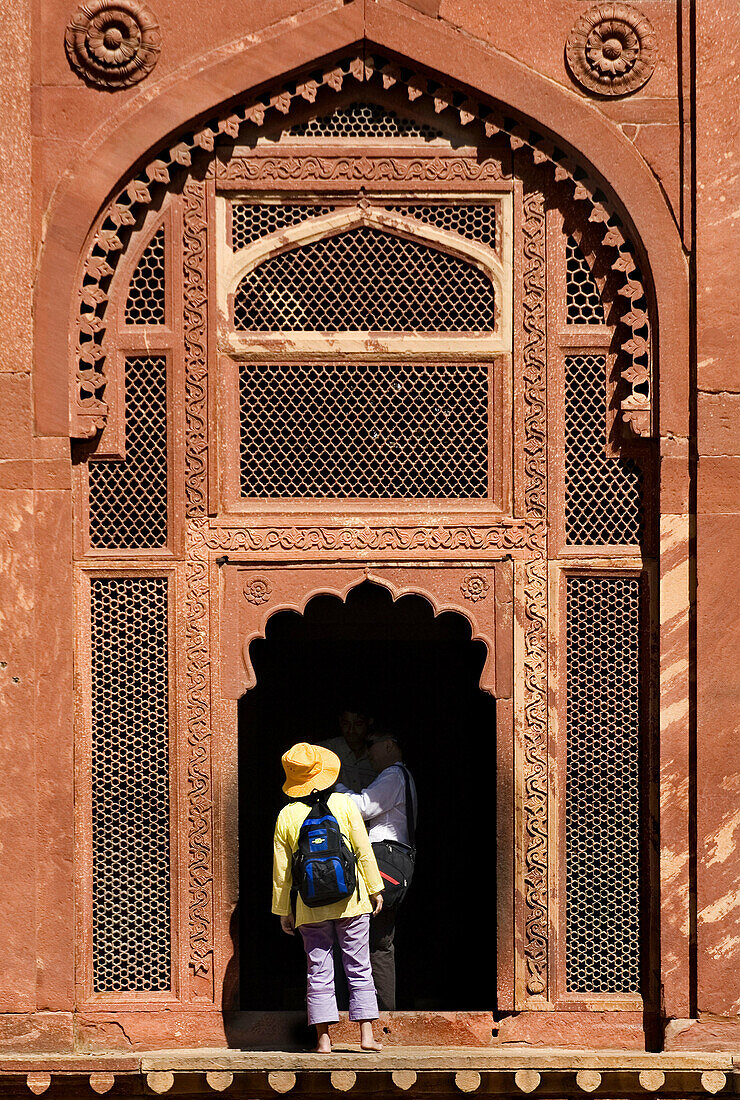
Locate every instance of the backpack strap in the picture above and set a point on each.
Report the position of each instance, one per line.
(410, 816)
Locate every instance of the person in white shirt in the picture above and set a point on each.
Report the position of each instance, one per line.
(357, 771)
(382, 805)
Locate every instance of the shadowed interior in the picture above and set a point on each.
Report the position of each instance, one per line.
(420, 674)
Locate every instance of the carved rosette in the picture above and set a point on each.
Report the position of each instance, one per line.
(257, 590)
(535, 747)
(611, 49)
(475, 587)
(113, 43)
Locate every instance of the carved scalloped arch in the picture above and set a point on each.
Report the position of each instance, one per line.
(397, 592)
(89, 409)
(319, 228)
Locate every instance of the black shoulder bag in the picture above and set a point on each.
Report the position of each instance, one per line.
(396, 860)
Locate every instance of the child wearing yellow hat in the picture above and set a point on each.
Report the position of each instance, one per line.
(310, 772)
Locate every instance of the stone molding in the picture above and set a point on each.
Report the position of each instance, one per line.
(310, 168)
(200, 952)
(195, 315)
(113, 43)
(466, 537)
(534, 733)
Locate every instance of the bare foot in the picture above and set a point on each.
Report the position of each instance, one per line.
(323, 1041)
(367, 1039)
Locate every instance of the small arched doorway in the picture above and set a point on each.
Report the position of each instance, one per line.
(421, 673)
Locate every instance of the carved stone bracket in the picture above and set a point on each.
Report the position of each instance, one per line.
(88, 406)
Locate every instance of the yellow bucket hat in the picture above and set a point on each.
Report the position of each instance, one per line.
(309, 768)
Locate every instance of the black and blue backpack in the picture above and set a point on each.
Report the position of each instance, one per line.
(324, 866)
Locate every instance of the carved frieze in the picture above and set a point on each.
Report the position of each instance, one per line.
(534, 732)
(443, 537)
(198, 763)
(357, 169)
(113, 43)
(195, 313)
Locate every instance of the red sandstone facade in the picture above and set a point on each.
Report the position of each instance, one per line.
(611, 190)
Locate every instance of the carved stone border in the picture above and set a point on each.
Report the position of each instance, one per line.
(195, 318)
(198, 763)
(515, 535)
(340, 169)
(89, 409)
(535, 767)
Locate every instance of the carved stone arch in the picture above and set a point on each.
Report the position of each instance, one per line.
(154, 220)
(88, 404)
(467, 549)
(253, 594)
(352, 217)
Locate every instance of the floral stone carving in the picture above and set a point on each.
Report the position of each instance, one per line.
(258, 590)
(475, 587)
(611, 49)
(113, 43)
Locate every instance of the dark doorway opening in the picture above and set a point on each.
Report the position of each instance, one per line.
(420, 673)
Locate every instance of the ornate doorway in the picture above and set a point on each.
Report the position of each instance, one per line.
(420, 674)
(374, 335)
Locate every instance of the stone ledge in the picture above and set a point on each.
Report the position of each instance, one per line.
(493, 1060)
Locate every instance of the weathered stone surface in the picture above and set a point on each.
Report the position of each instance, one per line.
(717, 197)
(84, 142)
(718, 431)
(718, 764)
(16, 193)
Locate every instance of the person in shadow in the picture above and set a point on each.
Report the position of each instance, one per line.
(389, 808)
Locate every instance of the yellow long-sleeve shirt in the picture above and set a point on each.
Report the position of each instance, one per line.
(287, 828)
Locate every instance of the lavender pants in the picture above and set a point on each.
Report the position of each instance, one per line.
(353, 936)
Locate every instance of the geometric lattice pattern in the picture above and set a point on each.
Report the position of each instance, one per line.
(128, 498)
(365, 430)
(130, 785)
(252, 220)
(603, 785)
(603, 496)
(478, 223)
(365, 280)
(582, 297)
(362, 120)
(145, 302)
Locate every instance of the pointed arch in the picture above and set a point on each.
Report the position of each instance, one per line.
(559, 115)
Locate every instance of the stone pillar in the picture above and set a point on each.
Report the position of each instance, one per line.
(36, 634)
(718, 515)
